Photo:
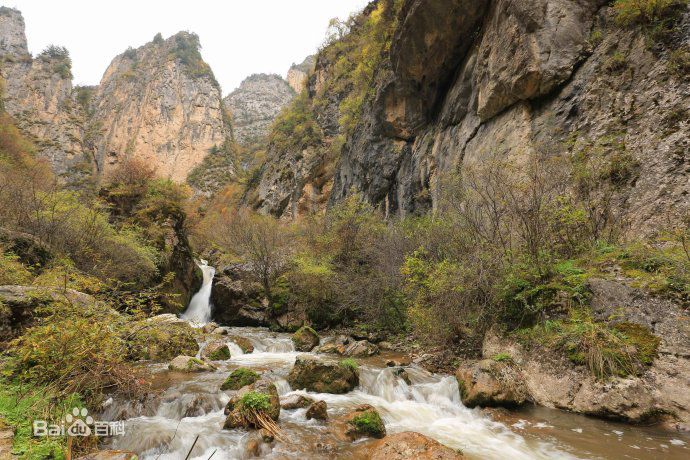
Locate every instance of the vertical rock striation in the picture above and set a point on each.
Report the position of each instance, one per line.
(463, 79)
(38, 93)
(161, 104)
(299, 73)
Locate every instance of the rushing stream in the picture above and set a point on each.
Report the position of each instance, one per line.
(191, 405)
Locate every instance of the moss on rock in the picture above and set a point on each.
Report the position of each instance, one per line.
(239, 378)
(305, 339)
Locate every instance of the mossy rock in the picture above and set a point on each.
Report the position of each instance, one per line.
(244, 343)
(261, 395)
(322, 377)
(216, 351)
(162, 341)
(239, 378)
(189, 364)
(363, 421)
(305, 339)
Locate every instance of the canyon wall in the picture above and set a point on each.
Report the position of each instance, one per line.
(38, 93)
(462, 80)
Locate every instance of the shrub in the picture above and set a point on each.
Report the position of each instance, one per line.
(502, 358)
(295, 126)
(349, 363)
(62, 63)
(73, 350)
(63, 274)
(618, 350)
(255, 401)
(12, 271)
(647, 11)
(615, 63)
(679, 61)
(187, 52)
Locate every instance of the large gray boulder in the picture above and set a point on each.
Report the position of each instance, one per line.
(319, 376)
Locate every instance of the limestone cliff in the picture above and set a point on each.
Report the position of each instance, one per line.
(159, 103)
(255, 104)
(464, 79)
(38, 93)
(298, 73)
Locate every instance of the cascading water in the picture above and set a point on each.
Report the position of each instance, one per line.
(199, 309)
(429, 404)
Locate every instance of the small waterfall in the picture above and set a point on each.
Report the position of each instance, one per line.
(199, 309)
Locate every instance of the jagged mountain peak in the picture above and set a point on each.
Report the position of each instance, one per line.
(255, 104)
(12, 35)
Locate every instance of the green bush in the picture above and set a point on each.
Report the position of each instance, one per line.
(62, 63)
(679, 62)
(349, 363)
(186, 50)
(618, 350)
(647, 11)
(295, 127)
(12, 271)
(254, 401)
(74, 349)
(502, 358)
(616, 63)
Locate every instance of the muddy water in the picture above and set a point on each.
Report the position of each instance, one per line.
(191, 405)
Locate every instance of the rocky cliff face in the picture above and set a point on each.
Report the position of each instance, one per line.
(559, 74)
(466, 79)
(159, 103)
(38, 93)
(298, 73)
(255, 104)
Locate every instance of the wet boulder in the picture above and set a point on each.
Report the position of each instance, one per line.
(296, 402)
(244, 343)
(216, 351)
(162, 338)
(220, 331)
(239, 378)
(331, 348)
(491, 383)
(335, 345)
(261, 395)
(408, 445)
(208, 328)
(363, 421)
(237, 300)
(190, 364)
(401, 373)
(315, 375)
(305, 339)
(361, 349)
(318, 411)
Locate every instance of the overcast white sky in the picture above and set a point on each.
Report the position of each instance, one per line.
(238, 37)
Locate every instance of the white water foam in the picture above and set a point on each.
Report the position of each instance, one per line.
(199, 309)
